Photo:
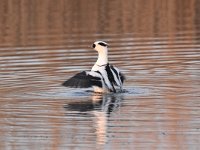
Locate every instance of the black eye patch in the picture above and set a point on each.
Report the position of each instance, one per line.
(102, 44)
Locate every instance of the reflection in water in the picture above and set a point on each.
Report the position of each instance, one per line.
(103, 102)
(99, 107)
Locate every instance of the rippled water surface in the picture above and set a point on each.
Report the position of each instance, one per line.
(156, 44)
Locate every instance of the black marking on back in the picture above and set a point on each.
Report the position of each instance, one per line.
(82, 80)
(115, 71)
(102, 44)
(110, 77)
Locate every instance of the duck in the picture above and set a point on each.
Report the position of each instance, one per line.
(103, 77)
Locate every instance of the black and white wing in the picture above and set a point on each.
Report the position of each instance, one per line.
(83, 80)
(115, 76)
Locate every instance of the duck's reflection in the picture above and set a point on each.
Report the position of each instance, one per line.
(106, 103)
(98, 110)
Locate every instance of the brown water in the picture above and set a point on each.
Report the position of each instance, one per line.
(155, 43)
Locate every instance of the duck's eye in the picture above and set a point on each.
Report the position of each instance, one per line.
(102, 44)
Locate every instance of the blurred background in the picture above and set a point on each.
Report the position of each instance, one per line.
(156, 44)
(55, 23)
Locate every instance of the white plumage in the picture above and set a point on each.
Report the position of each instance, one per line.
(103, 77)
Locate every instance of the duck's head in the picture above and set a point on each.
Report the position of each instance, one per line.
(100, 46)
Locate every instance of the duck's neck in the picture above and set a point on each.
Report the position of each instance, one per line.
(101, 61)
(102, 58)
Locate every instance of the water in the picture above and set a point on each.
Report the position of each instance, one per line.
(155, 44)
